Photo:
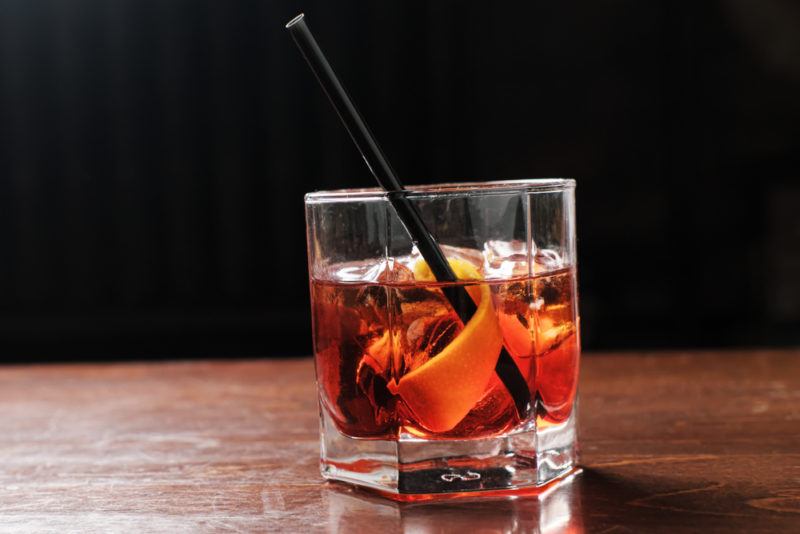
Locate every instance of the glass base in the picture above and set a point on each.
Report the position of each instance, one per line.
(528, 457)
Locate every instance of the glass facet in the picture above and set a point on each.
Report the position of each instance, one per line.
(412, 400)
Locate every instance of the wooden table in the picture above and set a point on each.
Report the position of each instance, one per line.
(698, 442)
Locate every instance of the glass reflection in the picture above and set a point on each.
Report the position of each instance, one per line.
(554, 510)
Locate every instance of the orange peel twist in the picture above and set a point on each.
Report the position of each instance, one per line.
(443, 390)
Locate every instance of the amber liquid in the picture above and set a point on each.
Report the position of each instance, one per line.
(369, 335)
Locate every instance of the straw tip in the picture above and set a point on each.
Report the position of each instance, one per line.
(295, 20)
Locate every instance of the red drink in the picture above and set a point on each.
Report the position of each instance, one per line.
(430, 388)
(376, 343)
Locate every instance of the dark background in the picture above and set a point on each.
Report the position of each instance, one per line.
(154, 155)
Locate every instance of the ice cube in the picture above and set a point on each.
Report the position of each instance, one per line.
(427, 336)
(356, 271)
(471, 255)
(549, 335)
(372, 376)
(506, 259)
(396, 273)
(371, 306)
(546, 260)
(376, 271)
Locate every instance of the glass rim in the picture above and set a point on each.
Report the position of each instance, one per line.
(494, 187)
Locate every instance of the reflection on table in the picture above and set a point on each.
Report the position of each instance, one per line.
(554, 510)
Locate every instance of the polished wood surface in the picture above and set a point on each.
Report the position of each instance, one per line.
(695, 442)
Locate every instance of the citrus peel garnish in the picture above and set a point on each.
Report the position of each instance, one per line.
(443, 390)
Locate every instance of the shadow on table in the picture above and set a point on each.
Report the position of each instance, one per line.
(589, 502)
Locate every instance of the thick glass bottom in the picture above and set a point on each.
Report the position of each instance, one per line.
(410, 468)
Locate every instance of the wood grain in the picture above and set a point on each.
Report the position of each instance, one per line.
(670, 442)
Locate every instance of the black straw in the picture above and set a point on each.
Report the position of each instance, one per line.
(379, 165)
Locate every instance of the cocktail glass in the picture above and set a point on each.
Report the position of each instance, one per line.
(422, 394)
